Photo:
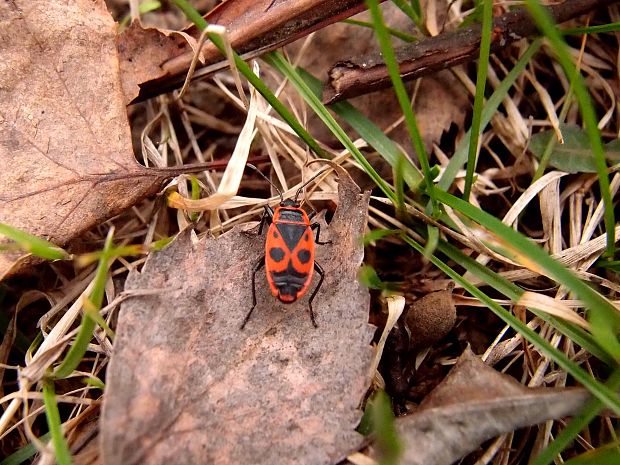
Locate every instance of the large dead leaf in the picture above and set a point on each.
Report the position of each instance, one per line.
(476, 403)
(66, 161)
(186, 385)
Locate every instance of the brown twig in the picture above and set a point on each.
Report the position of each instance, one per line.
(367, 73)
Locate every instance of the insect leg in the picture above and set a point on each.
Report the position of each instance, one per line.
(319, 269)
(317, 226)
(259, 264)
(267, 218)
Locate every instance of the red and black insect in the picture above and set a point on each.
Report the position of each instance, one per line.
(289, 251)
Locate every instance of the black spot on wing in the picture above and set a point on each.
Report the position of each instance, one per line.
(291, 233)
(277, 254)
(303, 255)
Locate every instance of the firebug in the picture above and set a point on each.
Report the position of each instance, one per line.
(289, 251)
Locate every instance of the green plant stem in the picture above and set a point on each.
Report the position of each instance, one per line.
(63, 456)
(610, 27)
(85, 333)
(401, 92)
(483, 65)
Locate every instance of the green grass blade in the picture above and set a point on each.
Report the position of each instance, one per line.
(602, 314)
(376, 138)
(432, 240)
(369, 131)
(193, 216)
(514, 293)
(92, 311)
(244, 69)
(409, 10)
(383, 427)
(32, 244)
(600, 456)
(95, 382)
(481, 79)
(599, 390)
(460, 155)
(401, 92)
(281, 64)
(61, 450)
(610, 27)
(25, 453)
(85, 334)
(376, 234)
(547, 26)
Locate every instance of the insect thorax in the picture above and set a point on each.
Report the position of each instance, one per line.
(296, 215)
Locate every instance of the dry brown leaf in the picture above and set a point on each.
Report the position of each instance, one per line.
(186, 385)
(475, 403)
(142, 51)
(66, 160)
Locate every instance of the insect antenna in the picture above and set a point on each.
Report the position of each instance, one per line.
(308, 182)
(266, 179)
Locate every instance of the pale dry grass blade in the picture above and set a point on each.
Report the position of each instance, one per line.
(594, 222)
(548, 105)
(551, 216)
(552, 307)
(395, 307)
(231, 179)
(196, 57)
(357, 458)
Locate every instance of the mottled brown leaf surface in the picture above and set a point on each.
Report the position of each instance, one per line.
(476, 403)
(66, 161)
(186, 385)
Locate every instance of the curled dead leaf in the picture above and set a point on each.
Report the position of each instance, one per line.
(475, 403)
